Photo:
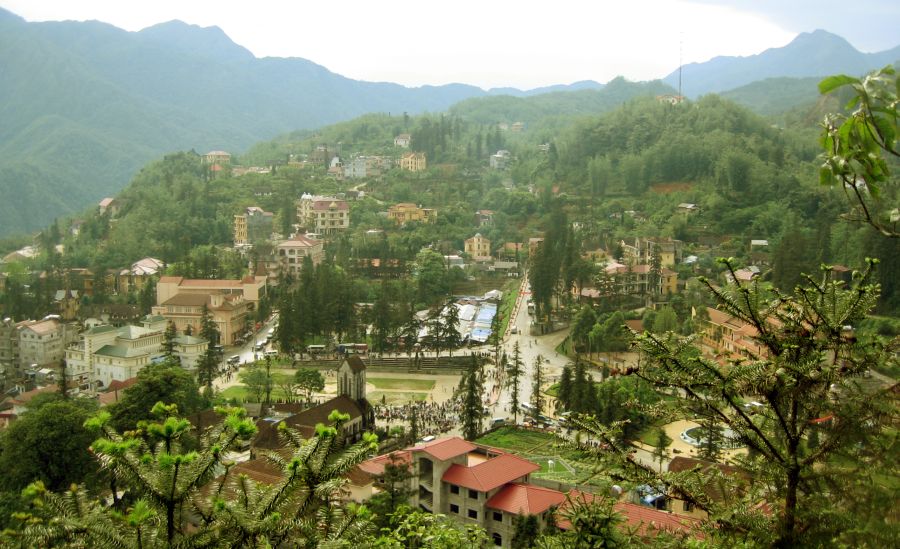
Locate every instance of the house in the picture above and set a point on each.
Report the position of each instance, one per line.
(644, 521)
(253, 226)
(499, 160)
(478, 248)
(413, 162)
(107, 354)
(484, 218)
(250, 288)
(717, 489)
(41, 342)
(135, 277)
(728, 337)
(402, 140)
(230, 312)
(406, 212)
(517, 127)
(533, 245)
(688, 208)
(111, 206)
(637, 279)
(642, 250)
(290, 254)
(670, 99)
(217, 158)
(323, 214)
(512, 250)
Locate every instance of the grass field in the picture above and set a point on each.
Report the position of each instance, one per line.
(401, 384)
(517, 440)
(395, 397)
(568, 465)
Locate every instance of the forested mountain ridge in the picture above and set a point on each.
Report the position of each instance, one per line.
(817, 53)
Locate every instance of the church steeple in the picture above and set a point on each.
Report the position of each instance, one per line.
(352, 378)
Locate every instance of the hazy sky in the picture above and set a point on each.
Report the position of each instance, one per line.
(492, 43)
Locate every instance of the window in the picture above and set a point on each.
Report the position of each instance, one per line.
(473, 494)
(498, 516)
(454, 508)
(498, 540)
(688, 506)
(454, 489)
(473, 514)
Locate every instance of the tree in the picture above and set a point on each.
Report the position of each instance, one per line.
(450, 335)
(583, 323)
(431, 277)
(858, 148)
(595, 524)
(208, 364)
(309, 380)
(526, 530)
(662, 441)
(473, 410)
(48, 443)
(564, 393)
(513, 378)
(257, 380)
(804, 372)
(395, 490)
(169, 337)
(665, 321)
(537, 384)
(164, 382)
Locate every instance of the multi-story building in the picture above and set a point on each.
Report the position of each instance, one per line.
(290, 253)
(9, 351)
(135, 277)
(220, 158)
(478, 248)
(402, 140)
(727, 337)
(500, 160)
(323, 214)
(107, 353)
(641, 250)
(413, 162)
(252, 226)
(229, 312)
(638, 280)
(405, 212)
(41, 342)
(250, 288)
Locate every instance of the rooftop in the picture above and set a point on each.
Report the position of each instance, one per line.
(446, 448)
(490, 474)
(525, 499)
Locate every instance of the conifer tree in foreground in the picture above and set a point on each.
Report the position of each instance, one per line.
(807, 373)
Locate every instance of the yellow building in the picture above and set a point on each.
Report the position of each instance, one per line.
(478, 248)
(413, 162)
(405, 212)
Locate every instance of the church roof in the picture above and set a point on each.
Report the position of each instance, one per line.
(356, 364)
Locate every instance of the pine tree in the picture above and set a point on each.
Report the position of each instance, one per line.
(169, 343)
(208, 365)
(473, 410)
(564, 393)
(513, 378)
(537, 385)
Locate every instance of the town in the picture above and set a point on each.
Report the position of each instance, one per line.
(629, 330)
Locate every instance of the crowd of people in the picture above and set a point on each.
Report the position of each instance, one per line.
(432, 418)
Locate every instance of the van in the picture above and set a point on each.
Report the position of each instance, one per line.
(234, 359)
(498, 421)
(260, 345)
(429, 438)
(272, 354)
(514, 330)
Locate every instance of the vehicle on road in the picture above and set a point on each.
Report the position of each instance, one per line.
(234, 359)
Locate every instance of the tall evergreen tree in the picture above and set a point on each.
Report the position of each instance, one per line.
(537, 385)
(514, 373)
(208, 365)
(473, 410)
(564, 392)
(169, 342)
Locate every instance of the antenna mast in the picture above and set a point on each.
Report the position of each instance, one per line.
(680, 65)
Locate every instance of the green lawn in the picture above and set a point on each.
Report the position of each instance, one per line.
(241, 394)
(395, 397)
(399, 383)
(517, 440)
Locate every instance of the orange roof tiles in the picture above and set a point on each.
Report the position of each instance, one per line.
(525, 499)
(375, 466)
(446, 448)
(645, 520)
(490, 474)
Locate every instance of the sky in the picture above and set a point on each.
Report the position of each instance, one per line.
(498, 43)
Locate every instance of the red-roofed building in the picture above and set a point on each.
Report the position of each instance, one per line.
(490, 474)
(525, 499)
(646, 521)
(323, 214)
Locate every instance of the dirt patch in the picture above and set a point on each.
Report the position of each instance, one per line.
(669, 188)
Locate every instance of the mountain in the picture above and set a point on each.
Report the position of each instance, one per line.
(815, 54)
(776, 96)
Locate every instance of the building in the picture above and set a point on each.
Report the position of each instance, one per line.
(413, 162)
(641, 250)
(406, 212)
(229, 312)
(500, 160)
(478, 248)
(111, 206)
(351, 400)
(135, 277)
(290, 253)
(323, 214)
(250, 288)
(217, 158)
(252, 226)
(106, 353)
(484, 218)
(402, 140)
(637, 279)
(726, 337)
(41, 342)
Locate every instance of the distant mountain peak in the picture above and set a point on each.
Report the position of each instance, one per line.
(208, 41)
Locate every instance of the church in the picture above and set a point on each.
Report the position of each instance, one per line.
(350, 400)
